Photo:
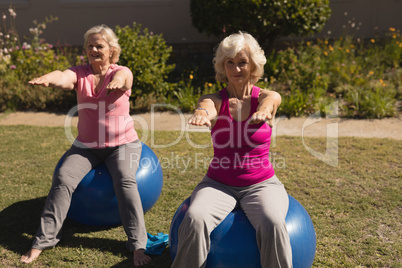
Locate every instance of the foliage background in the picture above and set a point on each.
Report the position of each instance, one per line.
(363, 76)
(266, 20)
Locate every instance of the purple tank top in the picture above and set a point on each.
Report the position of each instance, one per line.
(241, 150)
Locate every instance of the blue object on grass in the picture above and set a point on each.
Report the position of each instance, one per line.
(94, 201)
(156, 244)
(233, 242)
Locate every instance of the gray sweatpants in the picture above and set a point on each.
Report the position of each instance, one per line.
(77, 163)
(265, 205)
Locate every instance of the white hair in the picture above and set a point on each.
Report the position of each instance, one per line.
(233, 44)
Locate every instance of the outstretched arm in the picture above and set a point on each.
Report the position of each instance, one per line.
(57, 79)
(269, 102)
(206, 110)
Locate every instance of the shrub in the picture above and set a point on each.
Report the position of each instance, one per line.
(372, 100)
(266, 20)
(21, 62)
(146, 55)
(186, 95)
(26, 63)
(364, 76)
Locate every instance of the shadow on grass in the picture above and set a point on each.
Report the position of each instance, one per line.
(19, 222)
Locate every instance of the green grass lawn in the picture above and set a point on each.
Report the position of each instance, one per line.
(355, 206)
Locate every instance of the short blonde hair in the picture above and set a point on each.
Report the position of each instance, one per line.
(109, 36)
(233, 44)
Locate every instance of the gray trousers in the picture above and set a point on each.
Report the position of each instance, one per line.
(77, 163)
(265, 205)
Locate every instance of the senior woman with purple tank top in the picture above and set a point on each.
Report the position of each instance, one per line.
(240, 173)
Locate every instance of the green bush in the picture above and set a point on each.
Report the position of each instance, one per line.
(186, 95)
(20, 62)
(364, 76)
(23, 65)
(146, 54)
(266, 20)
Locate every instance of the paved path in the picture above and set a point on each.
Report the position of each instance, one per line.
(307, 127)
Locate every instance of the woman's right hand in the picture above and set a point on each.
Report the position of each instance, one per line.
(39, 81)
(206, 111)
(199, 118)
(58, 79)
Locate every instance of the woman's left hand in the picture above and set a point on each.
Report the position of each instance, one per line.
(259, 117)
(269, 102)
(116, 83)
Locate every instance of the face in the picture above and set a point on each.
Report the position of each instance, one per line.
(238, 68)
(98, 50)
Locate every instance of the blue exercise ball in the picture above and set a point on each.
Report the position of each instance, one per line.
(94, 201)
(233, 242)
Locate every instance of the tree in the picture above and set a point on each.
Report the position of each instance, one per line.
(266, 20)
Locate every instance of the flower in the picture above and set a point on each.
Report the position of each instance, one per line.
(13, 67)
(370, 73)
(325, 53)
(372, 40)
(191, 76)
(34, 31)
(12, 12)
(391, 29)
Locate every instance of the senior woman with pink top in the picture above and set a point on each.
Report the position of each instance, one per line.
(105, 135)
(240, 173)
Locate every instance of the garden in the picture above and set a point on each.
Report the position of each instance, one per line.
(355, 206)
(363, 75)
